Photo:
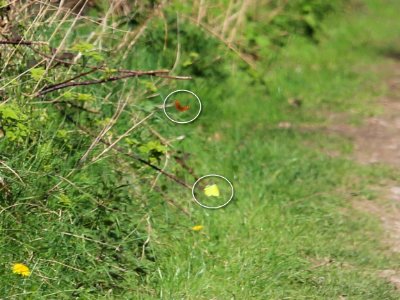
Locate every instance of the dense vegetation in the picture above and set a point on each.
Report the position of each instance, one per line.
(83, 202)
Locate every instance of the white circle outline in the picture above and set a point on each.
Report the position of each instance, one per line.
(182, 122)
(212, 207)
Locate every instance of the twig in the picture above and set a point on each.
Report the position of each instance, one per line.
(73, 78)
(60, 86)
(103, 68)
(23, 43)
(175, 77)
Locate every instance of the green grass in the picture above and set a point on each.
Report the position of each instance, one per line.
(293, 202)
(290, 232)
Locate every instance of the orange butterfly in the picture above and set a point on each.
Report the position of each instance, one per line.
(180, 107)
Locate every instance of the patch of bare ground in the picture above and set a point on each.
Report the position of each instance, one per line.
(388, 212)
(387, 209)
(377, 140)
(392, 276)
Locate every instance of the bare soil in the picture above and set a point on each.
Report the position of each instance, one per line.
(377, 140)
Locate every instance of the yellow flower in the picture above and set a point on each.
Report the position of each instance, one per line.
(21, 269)
(197, 227)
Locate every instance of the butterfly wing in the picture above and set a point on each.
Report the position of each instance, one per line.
(211, 190)
(180, 107)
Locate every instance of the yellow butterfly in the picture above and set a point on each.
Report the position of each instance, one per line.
(211, 190)
(197, 227)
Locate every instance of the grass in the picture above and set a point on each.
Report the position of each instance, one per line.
(293, 204)
(291, 231)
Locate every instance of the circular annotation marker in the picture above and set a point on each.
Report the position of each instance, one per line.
(207, 187)
(182, 106)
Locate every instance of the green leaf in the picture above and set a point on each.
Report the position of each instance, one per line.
(8, 113)
(193, 56)
(131, 141)
(37, 73)
(95, 55)
(78, 96)
(88, 50)
(68, 96)
(85, 97)
(82, 47)
(155, 146)
(62, 133)
(11, 112)
(64, 200)
(150, 86)
(311, 20)
(11, 135)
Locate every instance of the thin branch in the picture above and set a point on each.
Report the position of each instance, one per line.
(21, 42)
(175, 77)
(73, 78)
(159, 73)
(103, 68)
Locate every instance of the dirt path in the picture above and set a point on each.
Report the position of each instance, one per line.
(377, 140)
